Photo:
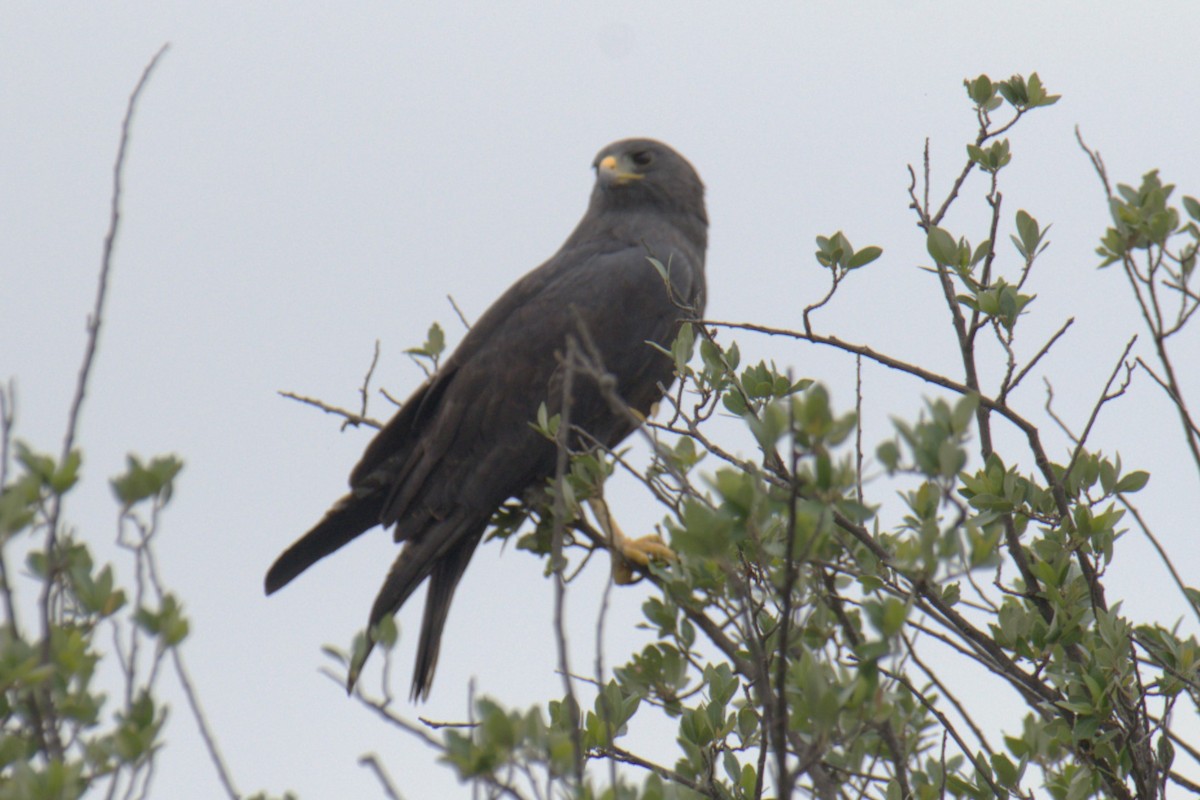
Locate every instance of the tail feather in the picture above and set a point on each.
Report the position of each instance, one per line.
(349, 518)
(442, 584)
(443, 552)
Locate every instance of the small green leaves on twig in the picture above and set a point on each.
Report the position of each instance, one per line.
(1023, 95)
(957, 255)
(141, 482)
(1030, 238)
(431, 350)
(837, 253)
(56, 478)
(1001, 302)
(998, 300)
(167, 623)
(22, 499)
(936, 441)
(1142, 219)
(682, 348)
(1020, 93)
(992, 158)
(760, 384)
(983, 93)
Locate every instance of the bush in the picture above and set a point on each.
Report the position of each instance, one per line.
(824, 589)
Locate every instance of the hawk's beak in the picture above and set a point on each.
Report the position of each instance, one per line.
(613, 171)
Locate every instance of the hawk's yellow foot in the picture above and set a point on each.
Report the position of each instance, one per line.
(625, 551)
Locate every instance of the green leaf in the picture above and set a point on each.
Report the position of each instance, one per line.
(1037, 93)
(942, 247)
(1132, 482)
(980, 90)
(386, 632)
(1192, 206)
(1027, 229)
(140, 482)
(864, 257)
(1005, 770)
(168, 623)
(659, 268)
(888, 454)
(981, 251)
(67, 474)
(682, 347)
(19, 504)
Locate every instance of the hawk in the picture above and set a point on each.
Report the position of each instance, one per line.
(463, 443)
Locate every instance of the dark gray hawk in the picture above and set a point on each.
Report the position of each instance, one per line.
(462, 444)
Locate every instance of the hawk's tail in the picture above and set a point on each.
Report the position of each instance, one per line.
(349, 517)
(440, 553)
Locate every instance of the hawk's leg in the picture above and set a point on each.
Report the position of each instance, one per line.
(625, 551)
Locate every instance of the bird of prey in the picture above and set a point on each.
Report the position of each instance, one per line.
(463, 443)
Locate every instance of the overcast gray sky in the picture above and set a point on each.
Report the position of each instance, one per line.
(306, 178)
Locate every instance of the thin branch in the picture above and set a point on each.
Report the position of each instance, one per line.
(372, 762)
(89, 357)
(8, 411)
(461, 317)
(948, 726)
(1189, 424)
(602, 618)
(1097, 162)
(1162, 553)
(110, 239)
(791, 574)
(350, 417)
(210, 741)
(147, 556)
(385, 712)
(557, 561)
(364, 390)
(1191, 786)
(615, 753)
(1037, 357)
(833, 286)
(1085, 565)
(954, 701)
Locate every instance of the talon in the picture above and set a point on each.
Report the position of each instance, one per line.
(647, 548)
(627, 552)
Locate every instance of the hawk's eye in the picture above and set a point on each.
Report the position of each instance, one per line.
(642, 157)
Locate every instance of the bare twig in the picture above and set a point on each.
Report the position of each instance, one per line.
(1036, 358)
(1162, 553)
(945, 691)
(89, 356)
(558, 563)
(780, 714)
(1105, 398)
(385, 712)
(438, 725)
(372, 762)
(8, 411)
(461, 317)
(350, 417)
(947, 726)
(147, 558)
(606, 712)
(1188, 423)
(110, 240)
(364, 391)
(809, 309)
(210, 741)
(1097, 162)
(614, 753)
